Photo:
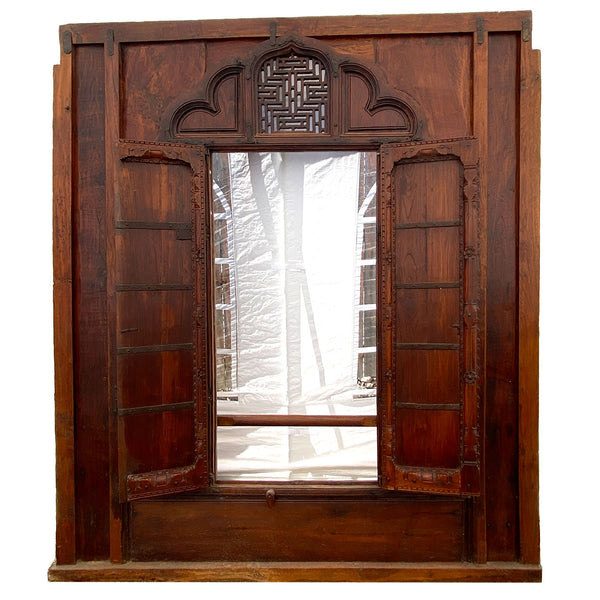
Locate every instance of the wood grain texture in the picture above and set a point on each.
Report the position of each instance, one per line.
(298, 571)
(528, 316)
(431, 446)
(160, 279)
(420, 64)
(477, 512)
(501, 346)
(89, 300)
(297, 528)
(63, 314)
(134, 335)
(311, 26)
(112, 123)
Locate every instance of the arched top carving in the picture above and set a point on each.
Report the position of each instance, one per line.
(294, 88)
(293, 92)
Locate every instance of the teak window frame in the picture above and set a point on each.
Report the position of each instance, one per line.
(192, 152)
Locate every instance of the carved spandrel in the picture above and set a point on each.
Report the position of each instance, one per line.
(368, 113)
(290, 86)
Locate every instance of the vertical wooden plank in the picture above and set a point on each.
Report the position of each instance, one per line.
(117, 527)
(63, 313)
(501, 364)
(480, 131)
(528, 307)
(89, 304)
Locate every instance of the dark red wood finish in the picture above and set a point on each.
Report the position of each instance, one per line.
(138, 108)
(89, 304)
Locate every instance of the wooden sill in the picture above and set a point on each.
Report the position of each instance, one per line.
(295, 571)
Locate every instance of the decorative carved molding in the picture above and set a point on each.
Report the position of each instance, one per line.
(438, 481)
(157, 483)
(471, 377)
(295, 86)
(471, 183)
(219, 111)
(368, 110)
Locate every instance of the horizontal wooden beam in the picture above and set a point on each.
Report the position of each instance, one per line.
(156, 348)
(154, 408)
(152, 287)
(295, 571)
(427, 285)
(163, 225)
(297, 420)
(427, 225)
(365, 25)
(424, 346)
(425, 406)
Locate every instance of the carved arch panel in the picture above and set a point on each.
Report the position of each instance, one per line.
(295, 87)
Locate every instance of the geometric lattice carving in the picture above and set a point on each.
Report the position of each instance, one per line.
(295, 85)
(293, 94)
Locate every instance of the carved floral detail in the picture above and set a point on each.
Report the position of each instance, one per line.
(471, 377)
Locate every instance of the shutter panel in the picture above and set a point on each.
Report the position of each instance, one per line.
(430, 295)
(160, 350)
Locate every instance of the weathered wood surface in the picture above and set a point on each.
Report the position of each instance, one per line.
(294, 571)
(310, 26)
(126, 81)
(63, 315)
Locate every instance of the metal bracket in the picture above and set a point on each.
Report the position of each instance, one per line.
(526, 34)
(480, 36)
(110, 41)
(67, 42)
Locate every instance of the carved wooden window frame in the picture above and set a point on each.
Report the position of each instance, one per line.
(221, 127)
(190, 146)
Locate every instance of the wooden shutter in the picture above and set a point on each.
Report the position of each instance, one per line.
(159, 288)
(430, 325)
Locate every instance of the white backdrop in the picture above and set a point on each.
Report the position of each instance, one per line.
(294, 242)
(566, 33)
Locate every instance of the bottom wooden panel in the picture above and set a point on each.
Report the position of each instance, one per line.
(292, 529)
(295, 571)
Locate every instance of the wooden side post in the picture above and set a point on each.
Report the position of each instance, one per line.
(480, 131)
(63, 313)
(118, 551)
(528, 309)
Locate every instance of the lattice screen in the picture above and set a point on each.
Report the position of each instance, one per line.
(293, 94)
